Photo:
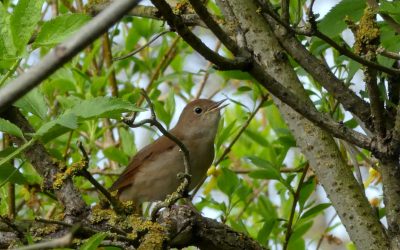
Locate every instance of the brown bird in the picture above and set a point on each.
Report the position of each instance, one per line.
(152, 173)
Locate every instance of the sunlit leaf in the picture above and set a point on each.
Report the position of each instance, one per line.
(33, 102)
(9, 173)
(7, 47)
(312, 212)
(58, 29)
(10, 128)
(334, 22)
(26, 15)
(102, 107)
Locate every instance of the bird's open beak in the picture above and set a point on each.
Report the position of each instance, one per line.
(217, 106)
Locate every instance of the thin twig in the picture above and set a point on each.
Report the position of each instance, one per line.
(14, 227)
(161, 66)
(313, 31)
(141, 47)
(282, 170)
(10, 72)
(285, 11)
(85, 173)
(108, 60)
(296, 197)
(389, 54)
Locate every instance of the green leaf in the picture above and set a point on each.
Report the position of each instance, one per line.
(312, 212)
(298, 244)
(58, 29)
(244, 89)
(103, 107)
(268, 171)
(57, 127)
(265, 231)
(227, 181)
(265, 174)
(7, 48)
(224, 133)
(116, 155)
(306, 190)
(351, 246)
(300, 230)
(257, 137)
(392, 8)
(259, 162)
(33, 102)
(334, 22)
(127, 141)
(266, 208)
(8, 173)
(10, 128)
(26, 15)
(93, 242)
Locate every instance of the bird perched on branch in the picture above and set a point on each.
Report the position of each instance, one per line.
(152, 173)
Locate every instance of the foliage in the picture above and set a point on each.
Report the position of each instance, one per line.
(260, 188)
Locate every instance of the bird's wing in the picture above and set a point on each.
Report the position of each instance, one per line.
(148, 153)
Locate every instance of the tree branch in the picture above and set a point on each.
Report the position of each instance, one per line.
(320, 119)
(203, 13)
(320, 72)
(48, 169)
(296, 197)
(186, 227)
(152, 13)
(366, 44)
(177, 23)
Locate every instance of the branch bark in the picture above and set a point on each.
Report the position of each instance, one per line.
(47, 168)
(319, 147)
(186, 227)
(320, 72)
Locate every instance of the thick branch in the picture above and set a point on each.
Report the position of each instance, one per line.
(185, 228)
(321, 73)
(318, 146)
(201, 10)
(64, 52)
(177, 23)
(367, 42)
(320, 119)
(48, 169)
(152, 13)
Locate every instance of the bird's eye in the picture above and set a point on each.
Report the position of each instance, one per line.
(198, 110)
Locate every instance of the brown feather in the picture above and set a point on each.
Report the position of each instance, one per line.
(162, 144)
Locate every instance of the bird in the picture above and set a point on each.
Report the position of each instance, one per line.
(152, 173)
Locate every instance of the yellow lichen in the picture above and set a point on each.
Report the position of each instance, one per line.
(40, 230)
(58, 182)
(99, 215)
(367, 37)
(73, 170)
(155, 237)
